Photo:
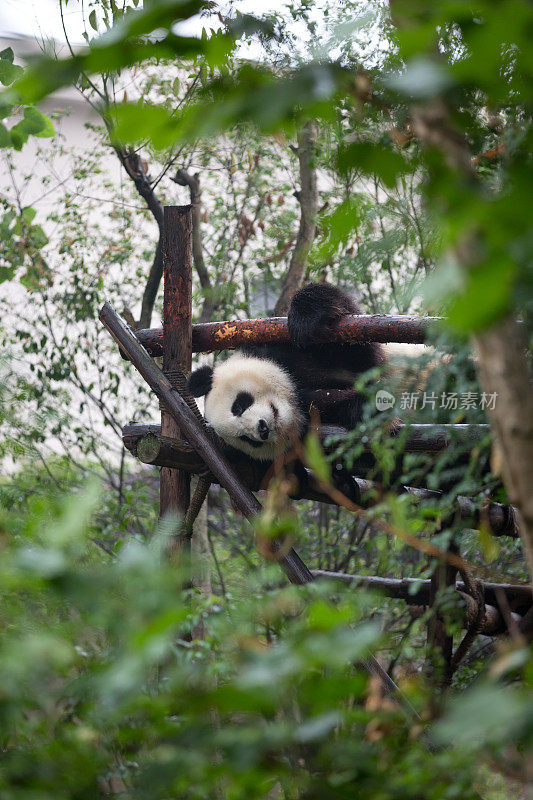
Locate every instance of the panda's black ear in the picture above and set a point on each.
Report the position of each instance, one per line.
(200, 381)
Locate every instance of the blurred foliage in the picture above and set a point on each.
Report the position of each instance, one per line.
(106, 687)
(102, 691)
(464, 71)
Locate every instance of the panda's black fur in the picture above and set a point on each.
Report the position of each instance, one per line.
(308, 366)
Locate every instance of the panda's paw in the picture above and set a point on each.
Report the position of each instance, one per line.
(303, 330)
(347, 485)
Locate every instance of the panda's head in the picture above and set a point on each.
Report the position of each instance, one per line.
(251, 403)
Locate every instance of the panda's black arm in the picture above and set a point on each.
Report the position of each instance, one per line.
(317, 307)
(314, 308)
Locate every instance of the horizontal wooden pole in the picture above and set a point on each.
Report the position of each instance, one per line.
(418, 438)
(493, 624)
(209, 336)
(417, 592)
(242, 498)
(146, 443)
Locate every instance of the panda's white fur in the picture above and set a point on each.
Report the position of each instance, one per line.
(274, 402)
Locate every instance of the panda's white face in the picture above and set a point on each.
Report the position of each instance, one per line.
(252, 406)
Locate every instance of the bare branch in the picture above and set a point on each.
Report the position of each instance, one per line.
(308, 199)
(137, 170)
(183, 178)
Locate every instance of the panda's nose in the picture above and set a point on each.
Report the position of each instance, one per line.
(263, 429)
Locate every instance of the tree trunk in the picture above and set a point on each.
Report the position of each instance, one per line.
(504, 371)
(308, 215)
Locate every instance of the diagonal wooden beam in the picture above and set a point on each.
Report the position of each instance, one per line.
(242, 498)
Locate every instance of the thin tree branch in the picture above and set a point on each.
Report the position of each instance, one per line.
(137, 170)
(183, 178)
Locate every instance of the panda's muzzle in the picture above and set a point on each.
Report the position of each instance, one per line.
(263, 430)
(253, 442)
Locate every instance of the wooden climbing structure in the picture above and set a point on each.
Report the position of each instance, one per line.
(183, 445)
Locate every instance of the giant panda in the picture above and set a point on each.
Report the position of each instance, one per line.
(259, 399)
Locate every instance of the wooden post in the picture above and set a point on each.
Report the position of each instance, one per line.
(174, 493)
(439, 641)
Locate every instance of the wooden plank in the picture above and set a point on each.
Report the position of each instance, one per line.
(146, 443)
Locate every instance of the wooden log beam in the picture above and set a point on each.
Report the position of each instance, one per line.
(417, 592)
(493, 624)
(209, 336)
(242, 498)
(418, 438)
(146, 443)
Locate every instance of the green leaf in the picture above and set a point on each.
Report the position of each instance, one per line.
(48, 130)
(374, 159)
(488, 543)
(137, 121)
(28, 214)
(153, 16)
(7, 54)
(484, 714)
(34, 123)
(338, 227)
(92, 20)
(9, 72)
(47, 75)
(38, 236)
(5, 108)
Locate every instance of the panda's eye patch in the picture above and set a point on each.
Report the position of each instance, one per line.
(243, 401)
(274, 410)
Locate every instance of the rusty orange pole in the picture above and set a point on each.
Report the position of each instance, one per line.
(209, 336)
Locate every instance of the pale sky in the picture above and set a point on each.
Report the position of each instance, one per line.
(41, 18)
